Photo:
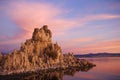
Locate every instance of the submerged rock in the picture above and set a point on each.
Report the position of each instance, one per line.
(38, 53)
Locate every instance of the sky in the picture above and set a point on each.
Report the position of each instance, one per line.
(79, 26)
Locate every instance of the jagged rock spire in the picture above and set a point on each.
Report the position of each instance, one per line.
(42, 34)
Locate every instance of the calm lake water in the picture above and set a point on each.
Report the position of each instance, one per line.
(107, 68)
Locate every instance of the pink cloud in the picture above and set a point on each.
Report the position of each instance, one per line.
(98, 17)
(11, 40)
(83, 40)
(104, 46)
(29, 15)
(80, 42)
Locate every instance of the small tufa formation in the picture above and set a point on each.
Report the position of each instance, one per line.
(36, 53)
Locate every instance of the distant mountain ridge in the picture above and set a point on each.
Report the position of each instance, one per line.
(98, 55)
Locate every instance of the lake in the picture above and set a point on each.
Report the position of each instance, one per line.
(107, 68)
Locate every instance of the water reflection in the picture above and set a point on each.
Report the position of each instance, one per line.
(46, 75)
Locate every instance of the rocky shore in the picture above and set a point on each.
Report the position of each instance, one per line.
(39, 53)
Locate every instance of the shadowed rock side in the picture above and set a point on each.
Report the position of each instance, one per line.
(38, 53)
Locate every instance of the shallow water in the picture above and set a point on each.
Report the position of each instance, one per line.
(107, 68)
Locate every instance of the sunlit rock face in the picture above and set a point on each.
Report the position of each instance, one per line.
(35, 54)
(43, 34)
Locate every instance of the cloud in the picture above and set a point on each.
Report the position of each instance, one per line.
(103, 46)
(80, 41)
(28, 15)
(90, 18)
(83, 40)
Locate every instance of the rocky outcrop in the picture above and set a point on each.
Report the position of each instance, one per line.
(37, 53)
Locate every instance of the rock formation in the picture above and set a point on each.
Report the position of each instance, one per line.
(37, 53)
